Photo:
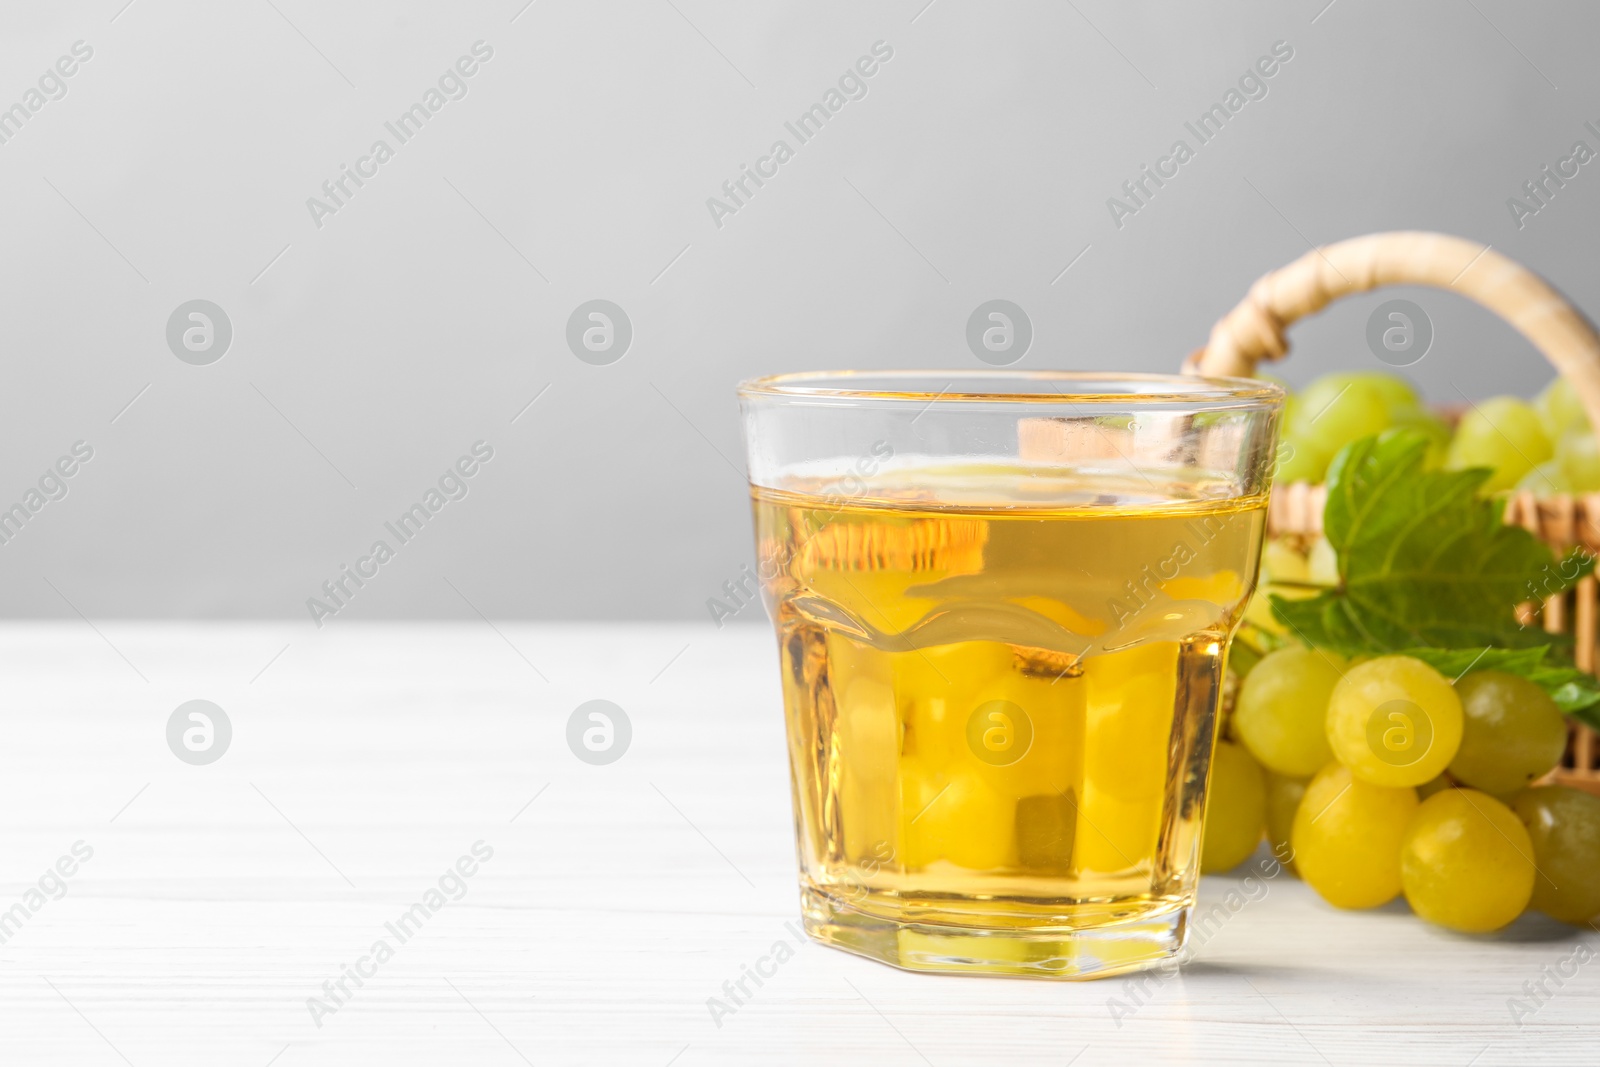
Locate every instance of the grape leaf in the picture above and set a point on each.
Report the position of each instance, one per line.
(1575, 692)
(1424, 561)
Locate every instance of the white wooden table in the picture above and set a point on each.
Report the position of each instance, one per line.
(367, 758)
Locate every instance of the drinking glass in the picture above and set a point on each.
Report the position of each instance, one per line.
(1003, 603)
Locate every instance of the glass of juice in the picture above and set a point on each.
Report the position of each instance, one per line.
(1003, 603)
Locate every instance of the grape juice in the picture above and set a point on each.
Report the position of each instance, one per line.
(1000, 707)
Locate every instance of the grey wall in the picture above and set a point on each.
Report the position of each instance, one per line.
(371, 351)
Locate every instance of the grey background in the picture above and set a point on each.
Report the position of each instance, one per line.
(370, 353)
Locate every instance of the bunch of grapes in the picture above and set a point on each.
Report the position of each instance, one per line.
(1378, 777)
(1546, 446)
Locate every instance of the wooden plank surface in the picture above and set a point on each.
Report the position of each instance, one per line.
(367, 759)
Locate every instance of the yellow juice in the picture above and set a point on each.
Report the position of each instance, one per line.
(1000, 707)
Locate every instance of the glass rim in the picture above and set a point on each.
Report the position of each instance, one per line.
(1137, 388)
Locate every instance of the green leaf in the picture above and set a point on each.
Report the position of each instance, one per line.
(1424, 561)
(1575, 692)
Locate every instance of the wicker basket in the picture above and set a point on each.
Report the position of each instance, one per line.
(1255, 330)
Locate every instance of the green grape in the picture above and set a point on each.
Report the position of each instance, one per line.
(1579, 455)
(1511, 733)
(1322, 564)
(1426, 422)
(1236, 809)
(1503, 434)
(1347, 836)
(1258, 613)
(1394, 721)
(1397, 393)
(1333, 413)
(1564, 824)
(1281, 563)
(1303, 460)
(1282, 710)
(1423, 420)
(1283, 800)
(1560, 409)
(1291, 400)
(1546, 479)
(1466, 862)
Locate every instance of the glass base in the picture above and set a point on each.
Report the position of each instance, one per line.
(1098, 951)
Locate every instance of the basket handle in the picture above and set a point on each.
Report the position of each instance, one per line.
(1255, 329)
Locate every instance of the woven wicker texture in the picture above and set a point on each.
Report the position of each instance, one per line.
(1256, 330)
